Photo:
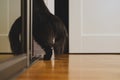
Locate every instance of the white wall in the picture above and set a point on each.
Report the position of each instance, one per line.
(50, 5)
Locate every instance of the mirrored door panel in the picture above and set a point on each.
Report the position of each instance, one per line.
(11, 41)
(10, 11)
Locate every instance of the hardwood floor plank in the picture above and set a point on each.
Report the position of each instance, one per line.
(75, 67)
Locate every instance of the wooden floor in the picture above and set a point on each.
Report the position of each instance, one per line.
(75, 67)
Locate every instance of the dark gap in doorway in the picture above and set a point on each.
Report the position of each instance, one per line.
(62, 11)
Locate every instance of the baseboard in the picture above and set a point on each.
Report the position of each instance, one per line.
(12, 67)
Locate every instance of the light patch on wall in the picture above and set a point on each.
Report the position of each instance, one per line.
(50, 5)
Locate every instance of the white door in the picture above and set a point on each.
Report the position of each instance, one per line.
(94, 26)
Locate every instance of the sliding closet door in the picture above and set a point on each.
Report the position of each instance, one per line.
(94, 26)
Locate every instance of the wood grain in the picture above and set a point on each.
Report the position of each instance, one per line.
(75, 67)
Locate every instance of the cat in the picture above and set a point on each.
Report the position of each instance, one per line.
(48, 31)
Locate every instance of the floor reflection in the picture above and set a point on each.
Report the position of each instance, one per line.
(4, 57)
(47, 70)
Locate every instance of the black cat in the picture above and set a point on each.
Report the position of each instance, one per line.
(48, 31)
